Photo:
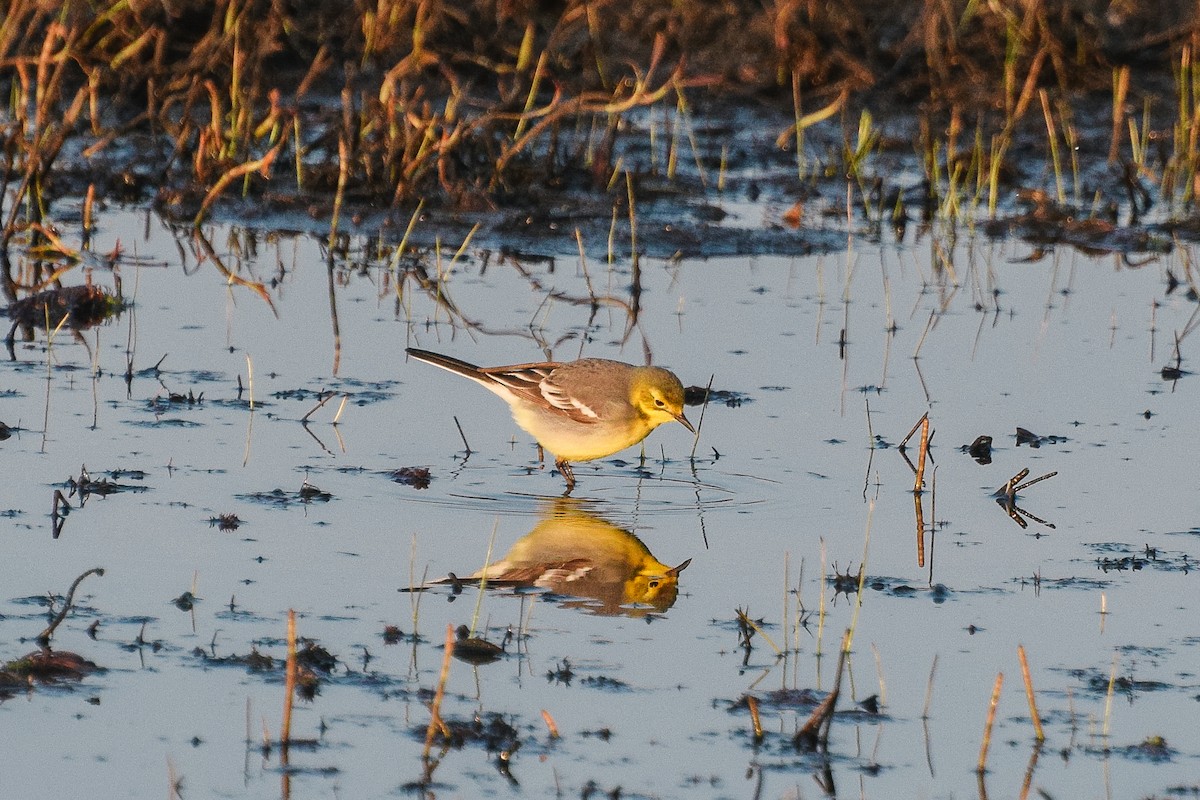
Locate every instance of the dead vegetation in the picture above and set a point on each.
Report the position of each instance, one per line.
(387, 101)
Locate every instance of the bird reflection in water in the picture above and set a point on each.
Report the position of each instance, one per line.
(588, 562)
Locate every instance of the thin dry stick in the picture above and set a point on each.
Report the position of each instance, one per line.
(916, 426)
(987, 728)
(1033, 712)
(879, 674)
(435, 708)
(700, 422)
(821, 602)
(289, 686)
(325, 397)
(463, 435)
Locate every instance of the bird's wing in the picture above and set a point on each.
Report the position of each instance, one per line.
(535, 383)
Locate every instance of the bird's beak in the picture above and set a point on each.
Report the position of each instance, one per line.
(684, 422)
(674, 571)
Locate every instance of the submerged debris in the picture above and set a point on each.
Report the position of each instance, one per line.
(695, 396)
(416, 477)
(84, 485)
(1026, 436)
(980, 450)
(278, 497)
(76, 307)
(225, 522)
(476, 650)
(48, 666)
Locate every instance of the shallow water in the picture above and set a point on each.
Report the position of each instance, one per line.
(800, 477)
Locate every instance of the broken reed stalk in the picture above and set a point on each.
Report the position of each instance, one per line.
(912, 432)
(324, 397)
(1033, 712)
(341, 408)
(550, 724)
(289, 686)
(744, 617)
(920, 480)
(435, 708)
(43, 638)
(987, 728)
(815, 730)
(755, 719)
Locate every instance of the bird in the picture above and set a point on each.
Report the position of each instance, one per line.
(578, 410)
(588, 561)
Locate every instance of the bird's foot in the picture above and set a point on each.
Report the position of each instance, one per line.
(568, 474)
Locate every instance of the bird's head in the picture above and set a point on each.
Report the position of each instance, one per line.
(658, 395)
(655, 585)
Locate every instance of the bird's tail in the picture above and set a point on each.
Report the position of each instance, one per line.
(446, 362)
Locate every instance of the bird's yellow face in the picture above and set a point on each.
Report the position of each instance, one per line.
(655, 585)
(658, 395)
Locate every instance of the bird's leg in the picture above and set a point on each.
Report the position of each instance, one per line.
(565, 469)
(541, 455)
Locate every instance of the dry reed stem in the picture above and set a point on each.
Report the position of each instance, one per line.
(987, 728)
(921, 454)
(550, 724)
(755, 720)
(816, 729)
(435, 708)
(289, 687)
(1033, 712)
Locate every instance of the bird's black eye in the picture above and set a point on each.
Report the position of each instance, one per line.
(653, 584)
(658, 401)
